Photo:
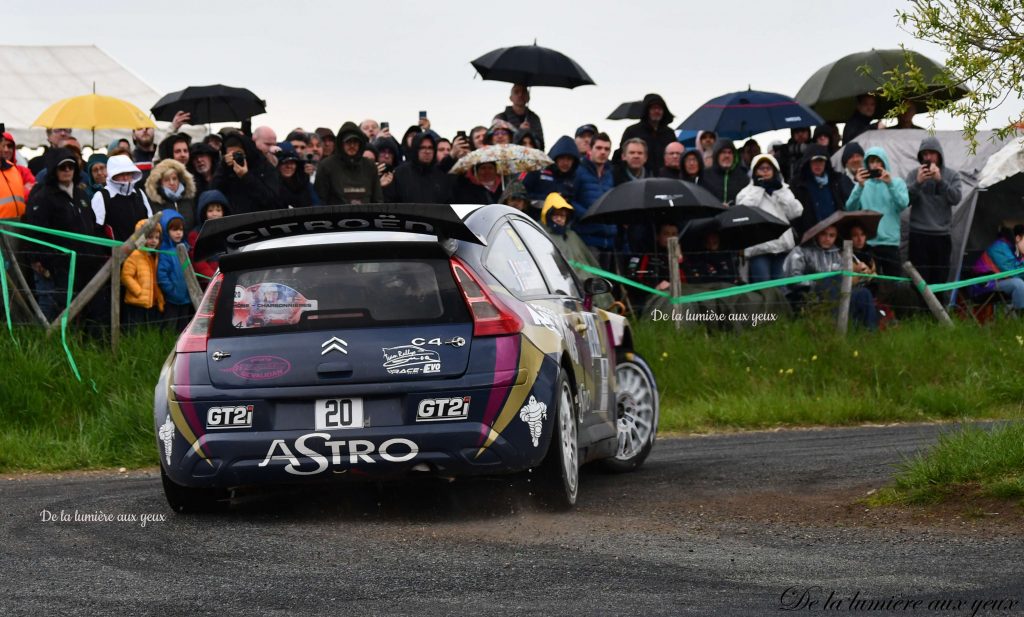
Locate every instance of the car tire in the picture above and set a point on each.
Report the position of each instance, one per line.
(637, 406)
(558, 478)
(187, 500)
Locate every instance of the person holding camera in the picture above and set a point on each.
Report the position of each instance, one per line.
(934, 190)
(878, 191)
(245, 177)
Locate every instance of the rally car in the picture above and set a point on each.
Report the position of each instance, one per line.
(375, 342)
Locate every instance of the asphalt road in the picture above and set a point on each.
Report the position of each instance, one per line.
(743, 524)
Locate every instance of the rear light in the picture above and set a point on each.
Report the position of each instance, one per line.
(490, 315)
(198, 330)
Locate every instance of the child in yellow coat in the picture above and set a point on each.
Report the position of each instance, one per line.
(143, 300)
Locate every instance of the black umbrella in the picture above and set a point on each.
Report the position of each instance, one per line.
(630, 110)
(531, 65)
(654, 200)
(738, 227)
(208, 104)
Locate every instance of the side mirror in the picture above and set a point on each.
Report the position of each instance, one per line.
(596, 286)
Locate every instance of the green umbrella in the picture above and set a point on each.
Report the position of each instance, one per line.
(832, 90)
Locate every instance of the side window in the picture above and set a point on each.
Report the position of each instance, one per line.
(510, 263)
(552, 264)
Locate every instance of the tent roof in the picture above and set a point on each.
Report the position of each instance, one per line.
(1009, 161)
(32, 77)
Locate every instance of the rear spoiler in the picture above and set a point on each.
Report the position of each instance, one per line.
(233, 232)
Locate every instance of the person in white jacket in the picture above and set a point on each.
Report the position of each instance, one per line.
(770, 193)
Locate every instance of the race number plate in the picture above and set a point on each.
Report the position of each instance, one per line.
(339, 413)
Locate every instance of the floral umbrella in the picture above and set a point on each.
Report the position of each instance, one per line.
(508, 158)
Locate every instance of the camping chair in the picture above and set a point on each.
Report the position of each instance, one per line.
(977, 301)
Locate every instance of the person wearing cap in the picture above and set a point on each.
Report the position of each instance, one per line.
(816, 185)
(519, 116)
(652, 128)
(515, 196)
(202, 162)
(296, 190)
(346, 177)
(560, 177)
(119, 204)
(59, 203)
(584, 135)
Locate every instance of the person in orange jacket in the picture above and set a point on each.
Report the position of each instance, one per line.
(15, 180)
(143, 300)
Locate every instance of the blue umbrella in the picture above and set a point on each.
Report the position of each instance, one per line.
(750, 112)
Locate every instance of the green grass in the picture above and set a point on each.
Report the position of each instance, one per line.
(986, 462)
(802, 373)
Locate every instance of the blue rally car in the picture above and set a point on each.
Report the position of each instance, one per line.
(374, 342)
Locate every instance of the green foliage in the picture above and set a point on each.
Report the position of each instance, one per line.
(985, 47)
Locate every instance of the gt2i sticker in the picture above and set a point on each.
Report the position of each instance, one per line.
(397, 450)
(534, 413)
(166, 435)
(434, 409)
(231, 416)
(457, 341)
(411, 360)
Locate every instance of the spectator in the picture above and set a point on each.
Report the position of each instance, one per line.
(295, 191)
(175, 146)
(768, 192)
(96, 171)
(145, 149)
(346, 177)
(212, 205)
(821, 255)
(525, 138)
(444, 148)
(327, 141)
(653, 268)
(214, 140)
(693, 166)
(13, 194)
(202, 162)
(370, 128)
(54, 137)
(559, 177)
(793, 151)
(712, 265)
(673, 167)
(593, 179)
(853, 160)
(653, 129)
(878, 191)
(748, 151)
(500, 133)
(519, 116)
(1004, 255)
(171, 187)
(864, 257)
(584, 135)
(816, 185)
(265, 140)
(514, 196)
(170, 275)
(906, 119)
(421, 180)
(245, 177)
(481, 186)
(120, 204)
(60, 204)
(934, 191)
(388, 151)
(705, 141)
(476, 137)
(634, 161)
(316, 146)
(406, 144)
(9, 153)
(143, 300)
(556, 216)
(299, 142)
(861, 120)
(726, 178)
(827, 135)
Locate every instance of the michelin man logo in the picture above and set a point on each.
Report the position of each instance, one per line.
(533, 413)
(167, 436)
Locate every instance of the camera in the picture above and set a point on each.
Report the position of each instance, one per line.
(310, 159)
(874, 173)
(239, 158)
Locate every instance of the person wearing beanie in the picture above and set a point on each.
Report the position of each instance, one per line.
(584, 135)
(853, 160)
(346, 177)
(768, 191)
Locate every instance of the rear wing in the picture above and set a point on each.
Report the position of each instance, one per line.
(233, 232)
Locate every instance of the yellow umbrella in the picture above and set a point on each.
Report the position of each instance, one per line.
(93, 111)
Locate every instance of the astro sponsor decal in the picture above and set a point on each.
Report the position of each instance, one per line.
(260, 368)
(434, 409)
(411, 360)
(534, 413)
(231, 416)
(397, 450)
(383, 222)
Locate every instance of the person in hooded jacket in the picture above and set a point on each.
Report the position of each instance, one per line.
(878, 191)
(816, 185)
(202, 162)
(481, 185)
(556, 216)
(692, 166)
(296, 190)
(245, 176)
(767, 191)
(120, 204)
(934, 190)
(212, 205)
(852, 160)
(653, 128)
(170, 185)
(175, 146)
(96, 171)
(420, 180)
(170, 275)
(726, 177)
(559, 177)
(346, 177)
(59, 203)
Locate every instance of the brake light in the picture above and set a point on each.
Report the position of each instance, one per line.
(198, 330)
(491, 317)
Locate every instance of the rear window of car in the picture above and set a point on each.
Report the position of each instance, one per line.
(338, 294)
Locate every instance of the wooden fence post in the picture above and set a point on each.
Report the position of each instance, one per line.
(195, 292)
(675, 284)
(8, 250)
(845, 289)
(117, 259)
(929, 298)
